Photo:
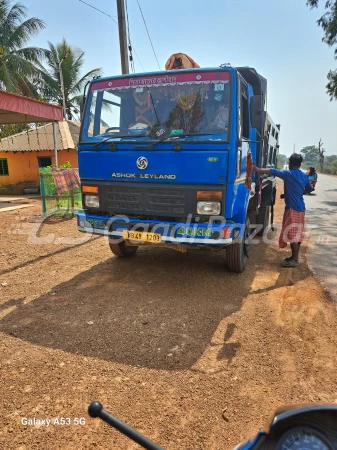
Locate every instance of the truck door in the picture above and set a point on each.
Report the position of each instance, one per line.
(243, 128)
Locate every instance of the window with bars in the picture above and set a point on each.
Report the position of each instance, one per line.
(44, 161)
(3, 166)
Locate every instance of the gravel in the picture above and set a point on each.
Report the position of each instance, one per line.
(189, 354)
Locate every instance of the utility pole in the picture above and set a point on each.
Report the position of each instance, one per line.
(321, 152)
(55, 144)
(62, 85)
(122, 36)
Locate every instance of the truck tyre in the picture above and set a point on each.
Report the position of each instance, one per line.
(263, 219)
(237, 253)
(252, 218)
(122, 249)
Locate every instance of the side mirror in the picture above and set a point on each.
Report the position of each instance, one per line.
(82, 103)
(256, 112)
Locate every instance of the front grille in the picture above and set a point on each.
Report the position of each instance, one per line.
(145, 200)
(124, 199)
(150, 200)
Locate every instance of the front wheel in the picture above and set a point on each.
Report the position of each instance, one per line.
(237, 253)
(122, 249)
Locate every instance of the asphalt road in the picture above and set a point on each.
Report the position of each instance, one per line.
(321, 218)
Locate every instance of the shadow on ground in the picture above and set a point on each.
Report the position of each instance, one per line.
(159, 309)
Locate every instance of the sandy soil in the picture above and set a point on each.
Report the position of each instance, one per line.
(164, 340)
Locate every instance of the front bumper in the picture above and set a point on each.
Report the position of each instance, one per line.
(171, 232)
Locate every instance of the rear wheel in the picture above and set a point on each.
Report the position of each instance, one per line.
(122, 249)
(262, 218)
(237, 253)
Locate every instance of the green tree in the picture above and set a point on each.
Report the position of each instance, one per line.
(328, 22)
(19, 65)
(50, 86)
(310, 156)
(331, 159)
(9, 130)
(330, 165)
(281, 160)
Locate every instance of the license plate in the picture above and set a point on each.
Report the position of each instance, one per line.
(141, 236)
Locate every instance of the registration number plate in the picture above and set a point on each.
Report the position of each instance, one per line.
(141, 236)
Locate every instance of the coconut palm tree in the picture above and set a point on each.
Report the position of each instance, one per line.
(19, 65)
(50, 86)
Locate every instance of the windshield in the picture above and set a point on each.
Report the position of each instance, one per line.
(187, 104)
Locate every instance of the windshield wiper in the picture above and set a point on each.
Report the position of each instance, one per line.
(95, 146)
(176, 138)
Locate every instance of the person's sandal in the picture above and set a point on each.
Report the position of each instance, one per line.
(290, 264)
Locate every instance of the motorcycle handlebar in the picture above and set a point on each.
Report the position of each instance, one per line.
(96, 410)
(284, 419)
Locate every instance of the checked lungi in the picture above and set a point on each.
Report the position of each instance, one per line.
(292, 227)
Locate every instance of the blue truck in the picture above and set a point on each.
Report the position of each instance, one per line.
(165, 160)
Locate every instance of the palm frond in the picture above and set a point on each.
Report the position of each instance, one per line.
(25, 31)
(16, 64)
(49, 82)
(19, 67)
(8, 82)
(11, 15)
(332, 84)
(76, 99)
(49, 87)
(32, 54)
(27, 87)
(88, 76)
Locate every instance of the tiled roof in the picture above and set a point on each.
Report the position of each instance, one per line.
(41, 138)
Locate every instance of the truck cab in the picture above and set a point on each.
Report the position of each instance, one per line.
(163, 160)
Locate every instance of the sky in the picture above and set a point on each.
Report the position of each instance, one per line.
(279, 38)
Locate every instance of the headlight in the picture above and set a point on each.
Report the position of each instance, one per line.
(209, 208)
(91, 201)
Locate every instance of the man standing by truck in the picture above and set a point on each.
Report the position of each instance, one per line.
(295, 183)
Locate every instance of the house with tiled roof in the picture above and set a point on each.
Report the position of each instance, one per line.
(22, 154)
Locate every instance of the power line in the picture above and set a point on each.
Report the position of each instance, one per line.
(139, 59)
(116, 24)
(129, 37)
(148, 34)
(93, 7)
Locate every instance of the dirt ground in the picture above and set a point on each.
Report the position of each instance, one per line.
(166, 341)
